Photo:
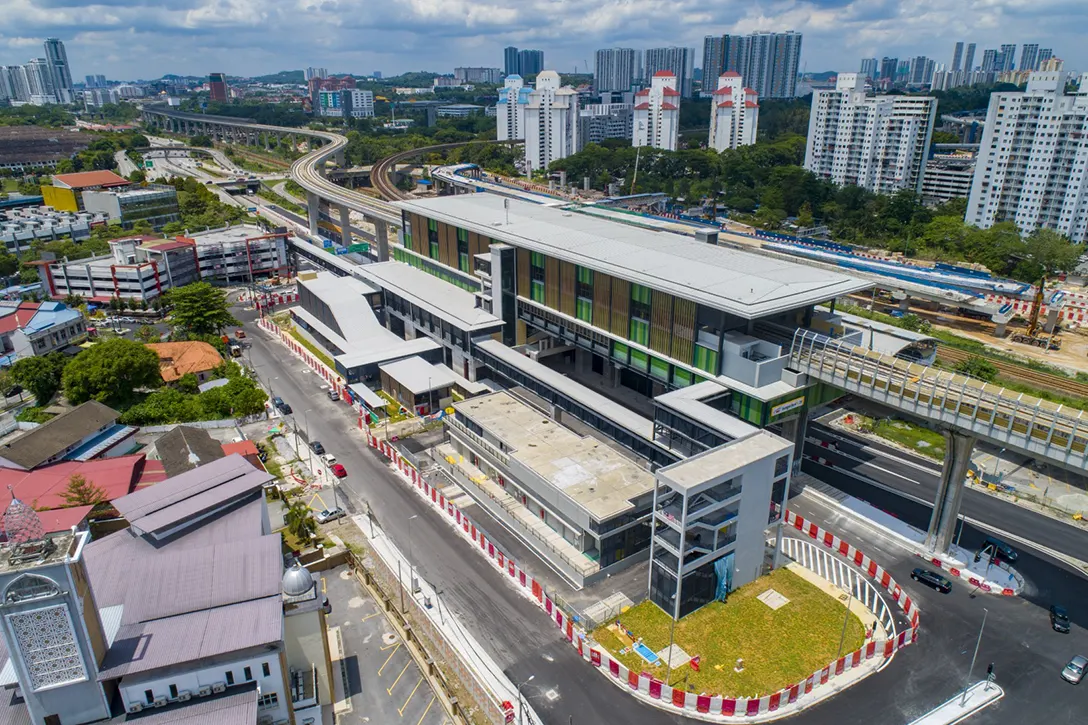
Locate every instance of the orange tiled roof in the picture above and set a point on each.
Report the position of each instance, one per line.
(181, 358)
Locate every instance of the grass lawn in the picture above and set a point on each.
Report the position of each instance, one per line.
(929, 443)
(779, 647)
(314, 349)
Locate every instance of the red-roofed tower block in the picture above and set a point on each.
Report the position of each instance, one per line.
(657, 113)
(734, 114)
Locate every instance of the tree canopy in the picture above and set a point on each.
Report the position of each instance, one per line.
(40, 375)
(200, 309)
(81, 492)
(111, 372)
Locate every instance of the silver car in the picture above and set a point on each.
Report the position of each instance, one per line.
(1074, 671)
(324, 517)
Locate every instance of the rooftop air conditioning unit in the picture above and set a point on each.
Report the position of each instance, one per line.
(159, 702)
(185, 696)
(135, 707)
(219, 687)
(204, 691)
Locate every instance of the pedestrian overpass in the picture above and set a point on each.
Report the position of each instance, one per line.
(965, 409)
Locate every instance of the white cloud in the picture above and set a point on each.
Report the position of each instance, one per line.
(146, 38)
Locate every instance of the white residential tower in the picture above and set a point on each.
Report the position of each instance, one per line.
(510, 110)
(657, 113)
(734, 114)
(1032, 163)
(878, 143)
(551, 122)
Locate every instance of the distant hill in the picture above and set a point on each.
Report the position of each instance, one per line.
(284, 76)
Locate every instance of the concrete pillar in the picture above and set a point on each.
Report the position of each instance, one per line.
(946, 506)
(999, 328)
(312, 206)
(1051, 319)
(338, 157)
(381, 236)
(904, 304)
(795, 430)
(345, 226)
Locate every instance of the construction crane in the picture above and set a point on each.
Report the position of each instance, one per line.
(1036, 336)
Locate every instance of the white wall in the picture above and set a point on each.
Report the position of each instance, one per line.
(192, 681)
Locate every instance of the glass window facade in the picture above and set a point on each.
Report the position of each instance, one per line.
(640, 331)
(619, 352)
(584, 309)
(659, 369)
(639, 360)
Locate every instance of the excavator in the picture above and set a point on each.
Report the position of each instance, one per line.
(1035, 334)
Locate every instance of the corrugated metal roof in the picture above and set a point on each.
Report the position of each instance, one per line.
(179, 489)
(214, 576)
(742, 283)
(145, 646)
(171, 516)
(53, 437)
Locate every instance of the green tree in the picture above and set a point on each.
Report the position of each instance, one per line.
(9, 264)
(81, 492)
(300, 521)
(188, 383)
(147, 333)
(200, 309)
(73, 300)
(111, 372)
(977, 367)
(40, 375)
(1044, 253)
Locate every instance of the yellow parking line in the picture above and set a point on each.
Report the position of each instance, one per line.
(317, 497)
(410, 696)
(389, 689)
(420, 720)
(389, 658)
(324, 590)
(371, 616)
(384, 647)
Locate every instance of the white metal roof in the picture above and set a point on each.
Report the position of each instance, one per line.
(371, 343)
(442, 299)
(718, 462)
(418, 375)
(739, 282)
(689, 402)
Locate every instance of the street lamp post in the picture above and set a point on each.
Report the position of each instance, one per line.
(845, 621)
(974, 656)
(521, 700)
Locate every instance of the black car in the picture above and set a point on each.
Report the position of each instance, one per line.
(317, 448)
(1059, 620)
(931, 578)
(281, 406)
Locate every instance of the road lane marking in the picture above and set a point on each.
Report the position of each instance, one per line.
(425, 711)
(410, 696)
(406, 666)
(371, 616)
(395, 648)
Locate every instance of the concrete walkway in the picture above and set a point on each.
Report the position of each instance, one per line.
(959, 708)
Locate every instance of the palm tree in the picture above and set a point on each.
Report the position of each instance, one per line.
(300, 521)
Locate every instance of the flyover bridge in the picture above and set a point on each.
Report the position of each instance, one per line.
(965, 409)
(308, 171)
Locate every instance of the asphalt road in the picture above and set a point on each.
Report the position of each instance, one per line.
(1027, 654)
(917, 478)
(524, 642)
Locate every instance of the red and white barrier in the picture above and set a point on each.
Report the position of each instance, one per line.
(329, 375)
(967, 576)
(645, 686)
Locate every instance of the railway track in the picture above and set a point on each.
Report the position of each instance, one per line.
(380, 175)
(1011, 371)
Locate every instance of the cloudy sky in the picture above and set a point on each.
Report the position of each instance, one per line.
(130, 39)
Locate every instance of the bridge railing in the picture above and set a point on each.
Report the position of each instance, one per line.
(1039, 427)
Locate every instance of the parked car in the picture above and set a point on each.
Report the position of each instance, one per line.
(329, 459)
(334, 396)
(317, 448)
(279, 404)
(324, 517)
(932, 578)
(1074, 671)
(1004, 551)
(1059, 619)
(338, 470)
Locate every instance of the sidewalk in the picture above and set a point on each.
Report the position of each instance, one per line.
(958, 562)
(957, 709)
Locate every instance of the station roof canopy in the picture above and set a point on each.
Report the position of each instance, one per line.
(741, 283)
